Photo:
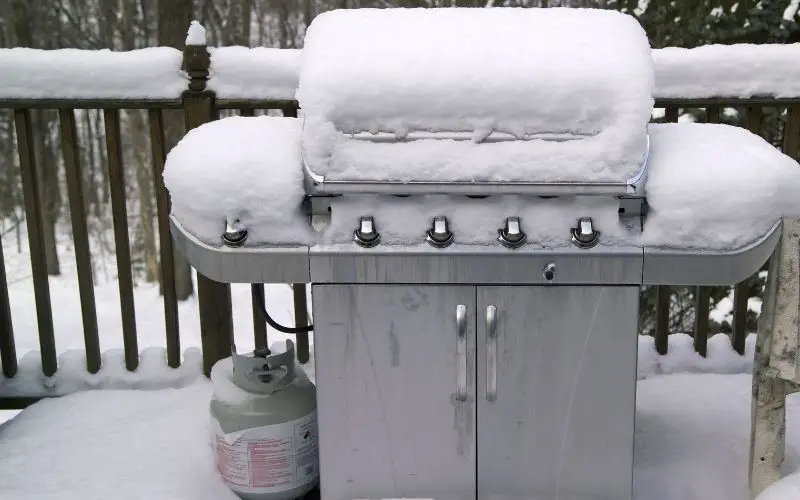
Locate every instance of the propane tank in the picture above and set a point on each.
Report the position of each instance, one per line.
(264, 425)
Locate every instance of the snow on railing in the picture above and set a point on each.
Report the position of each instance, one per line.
(261, 73)
(741, 70)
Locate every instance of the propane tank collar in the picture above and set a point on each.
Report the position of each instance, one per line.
(264, 372)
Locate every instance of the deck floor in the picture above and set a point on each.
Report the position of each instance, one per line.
(692, 443)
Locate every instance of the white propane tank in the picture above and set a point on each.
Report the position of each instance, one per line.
(264, 425)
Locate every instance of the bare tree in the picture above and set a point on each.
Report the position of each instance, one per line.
(24, 13)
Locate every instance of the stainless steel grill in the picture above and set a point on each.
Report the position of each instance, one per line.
(498, 369)
(448, 370)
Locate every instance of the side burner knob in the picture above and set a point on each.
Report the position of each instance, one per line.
(512, 235)
(234, 235)
(366, 236)
(584, 234)
(439, 235)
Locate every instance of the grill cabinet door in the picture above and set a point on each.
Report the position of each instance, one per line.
(391, 374)
(556, 404)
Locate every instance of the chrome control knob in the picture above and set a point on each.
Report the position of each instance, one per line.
(234, 235)
(439, 234)
(512, 235)
(584, 235)
(366, 236)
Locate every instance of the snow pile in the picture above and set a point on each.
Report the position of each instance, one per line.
(113, 444)
(691, 443)
(240, 168)
(739, 70)
(693, 438)
(196, 34)
(791, 10)
(72, 376)
(257, 73)
(785, 489)
(716, 186)
(681, 356)
(585, 74)
(151, 73)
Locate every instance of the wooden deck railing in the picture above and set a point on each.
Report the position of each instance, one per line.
(199, 106)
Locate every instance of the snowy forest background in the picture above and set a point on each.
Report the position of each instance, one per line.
(133, 24)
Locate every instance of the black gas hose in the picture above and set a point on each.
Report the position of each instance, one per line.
(258, 298)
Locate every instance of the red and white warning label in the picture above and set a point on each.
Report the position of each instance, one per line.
(271, 458)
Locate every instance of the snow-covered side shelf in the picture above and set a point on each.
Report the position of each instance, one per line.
(714, 186)
(578, 74)
(240, 168)
(151, 73)
(253, 73)
(739, 70)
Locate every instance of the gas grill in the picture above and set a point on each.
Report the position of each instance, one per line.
(456, 360)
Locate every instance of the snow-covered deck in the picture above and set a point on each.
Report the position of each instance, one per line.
(692, 437)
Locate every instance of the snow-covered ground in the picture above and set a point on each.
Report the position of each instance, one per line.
(692, 442)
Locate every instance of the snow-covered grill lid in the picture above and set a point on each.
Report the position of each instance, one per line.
(420, 97)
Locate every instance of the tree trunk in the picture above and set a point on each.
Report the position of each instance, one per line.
(174, 17)
(147, 214)
(283, 24)
(91, 170)
(245, 20)
(105, 188)
(109, 24)
(48, 172)
(308, 12)
(48, 188)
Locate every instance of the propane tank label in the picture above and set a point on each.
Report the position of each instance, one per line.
(269, 459)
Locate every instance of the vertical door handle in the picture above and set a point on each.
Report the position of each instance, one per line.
(461, 353)
(491, 353)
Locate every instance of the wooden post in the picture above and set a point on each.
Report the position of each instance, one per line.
(214, 298)
(299, 295)
(80, 237)
(33, 218)
(8, 351)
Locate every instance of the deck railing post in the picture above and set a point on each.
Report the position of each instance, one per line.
(214, 298)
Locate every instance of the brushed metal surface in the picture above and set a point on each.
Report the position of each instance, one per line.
(317, 184)
(389, 422)
(561, 423)
(242, 265)
(473, 264)
(705, 267)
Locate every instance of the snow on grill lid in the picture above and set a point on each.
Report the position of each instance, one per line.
(586, 73)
